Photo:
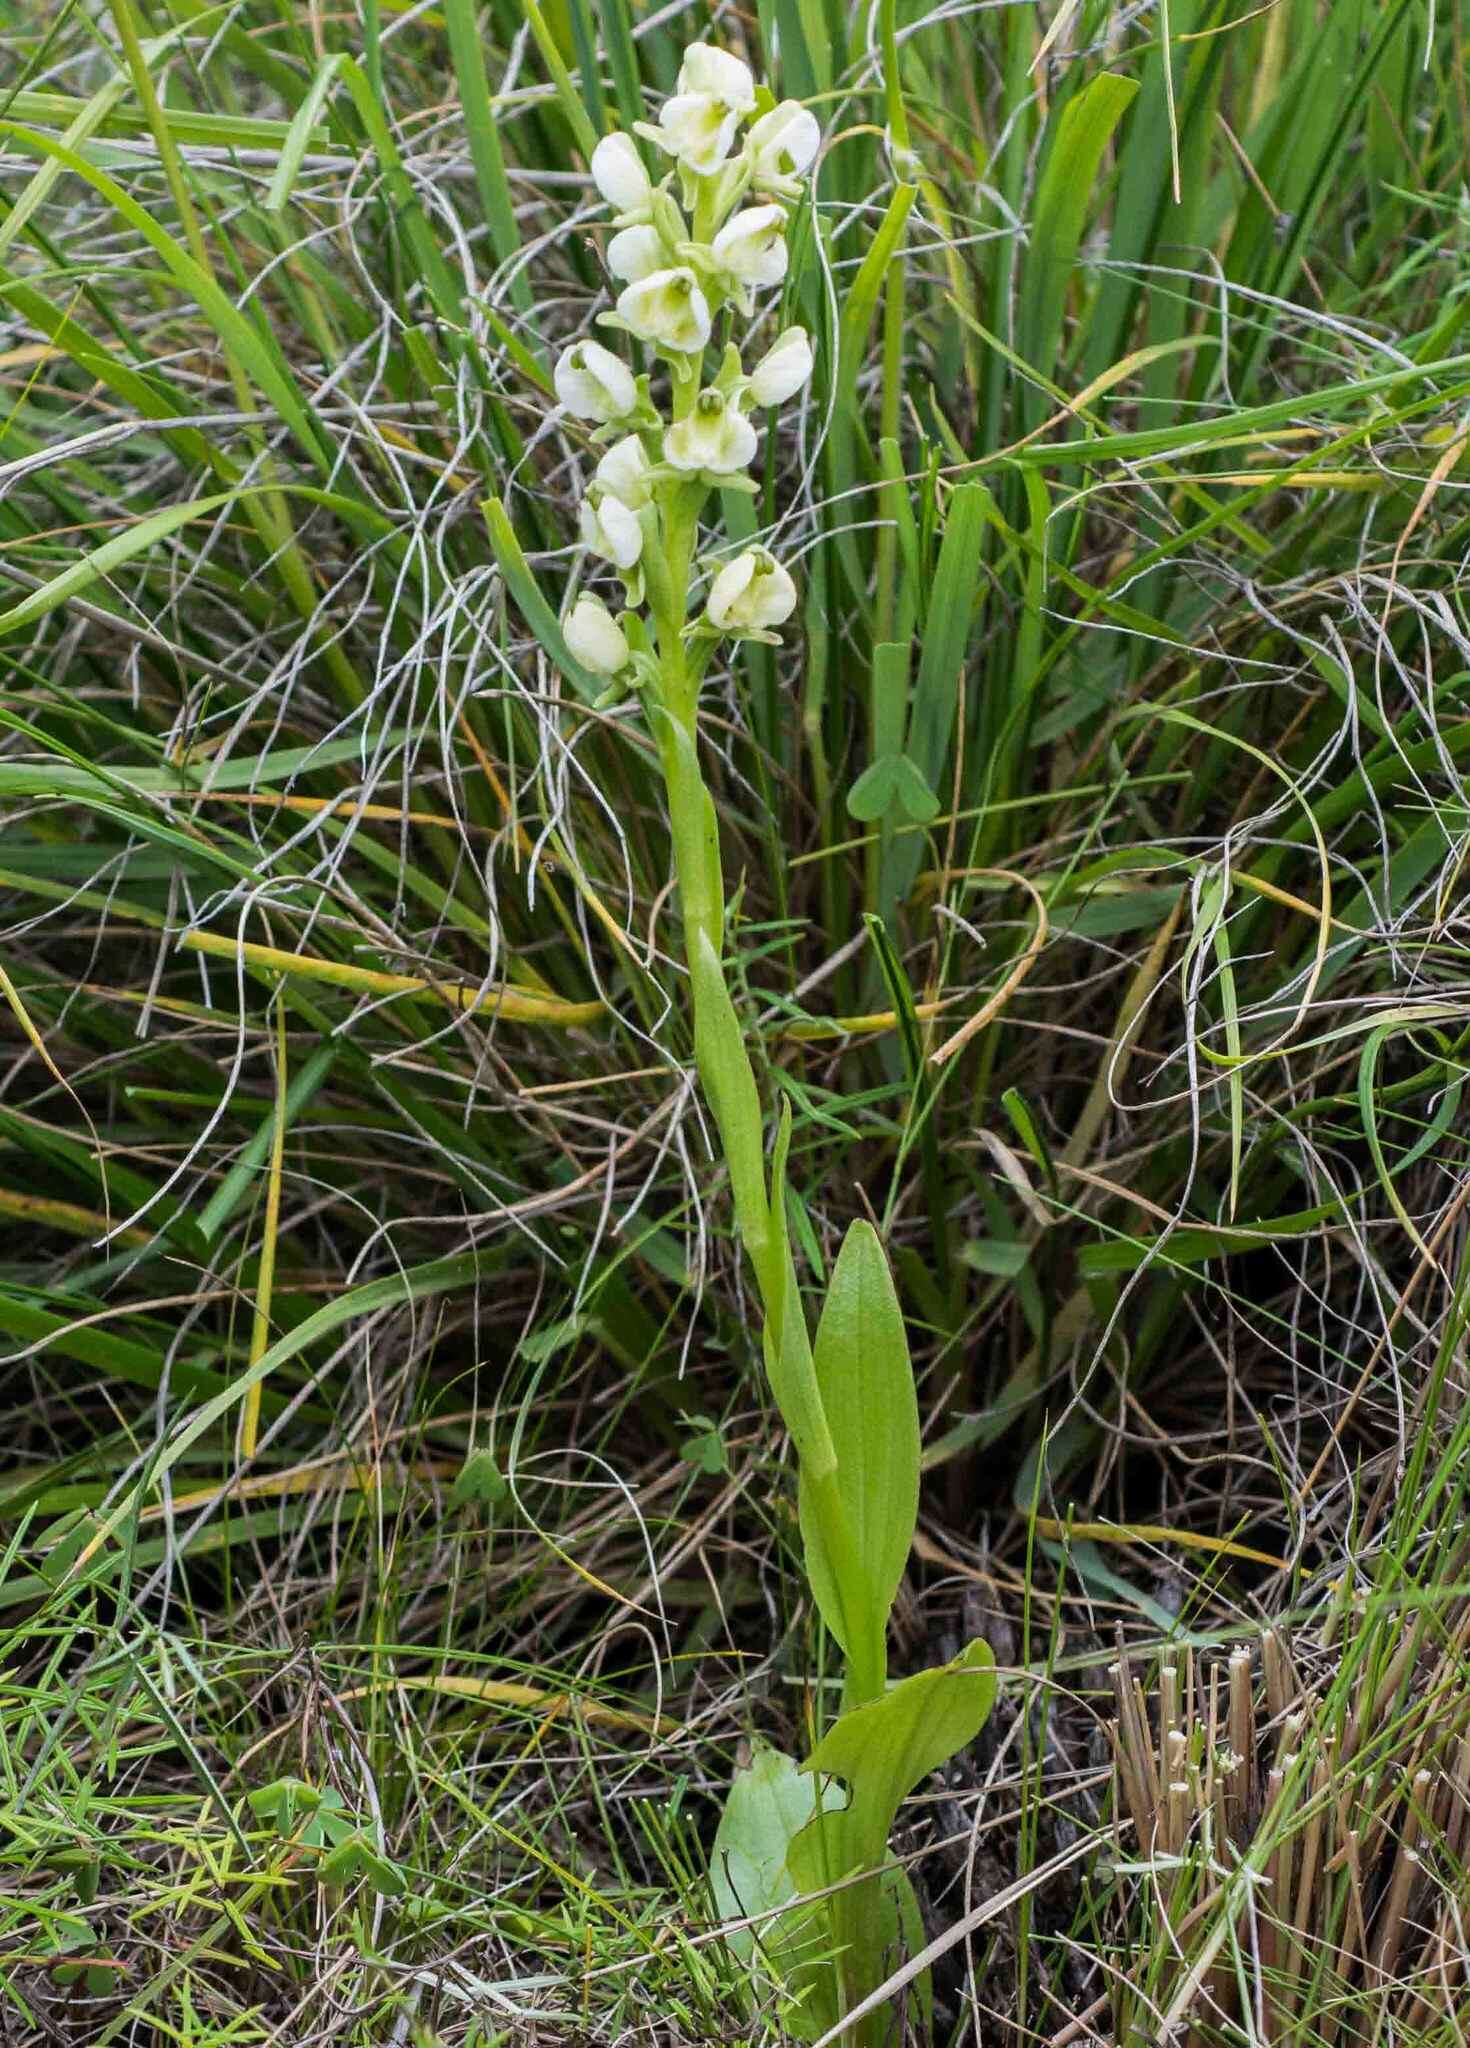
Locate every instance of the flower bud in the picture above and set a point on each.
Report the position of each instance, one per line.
(782, 370)
(593, 384)
(595, 638)
(635, 253)
(618, 174)
(781, 145)
(667, 308)
(712, 436)
(751, 246)
(750, 594)
(623, 471)
(610, 528)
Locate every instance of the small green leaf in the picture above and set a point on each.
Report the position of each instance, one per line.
(866, 1385)
(705, 1448)
(1000, 1258)
(479, 1482)
(282, 1801)
(356, 1858)
(893, 779)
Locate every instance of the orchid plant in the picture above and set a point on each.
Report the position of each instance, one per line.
(691, 253)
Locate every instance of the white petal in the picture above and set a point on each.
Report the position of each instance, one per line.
(623, 471)
(667, 308)
(751, 594)
(635, 252)
(708, 70)
(618, 173)
(784, 142)
(737, 443)
(775, 596)
(594, 384)
(624, 535)
(595, 637)
(751, 246)
(728, 588)
(783, 369)
(712, 436)
(700, 130)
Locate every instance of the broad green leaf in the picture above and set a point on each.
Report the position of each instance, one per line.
(866, 1385)
(881, 1751)
(884, 1749)
(770, 1802)
(1063, 198)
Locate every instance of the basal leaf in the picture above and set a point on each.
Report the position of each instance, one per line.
(881, 1751)
(770, 1802)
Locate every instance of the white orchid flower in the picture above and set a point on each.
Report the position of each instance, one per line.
(623, 472)
(781, 145)
(667, 308)
(594, 384)
(751, 246)
(618, 174)
(634, 253)
(595, 637)
(699, 122)
(751, 594)
(718, 74)
(610, 529)
(782, 370)
(712, 436)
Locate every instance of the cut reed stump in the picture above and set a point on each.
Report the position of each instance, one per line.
(1299, 1842)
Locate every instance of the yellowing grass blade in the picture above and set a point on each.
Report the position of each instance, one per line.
(517, 1006)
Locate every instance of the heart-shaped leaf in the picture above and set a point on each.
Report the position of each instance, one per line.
(893, 780)
(874, 790)
(915, 798)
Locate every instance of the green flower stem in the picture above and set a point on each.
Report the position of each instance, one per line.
(725, 1069)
